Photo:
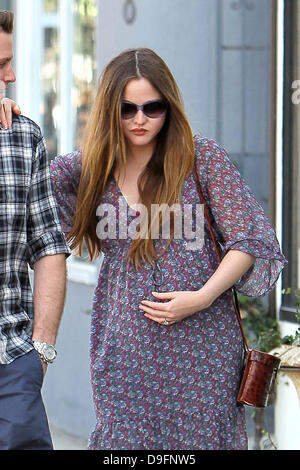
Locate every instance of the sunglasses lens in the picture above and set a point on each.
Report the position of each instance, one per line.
(128, 110)
(155, 109)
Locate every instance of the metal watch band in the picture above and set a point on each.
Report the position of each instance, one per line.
(47, 352)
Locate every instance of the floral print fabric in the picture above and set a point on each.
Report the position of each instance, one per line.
(157, 387)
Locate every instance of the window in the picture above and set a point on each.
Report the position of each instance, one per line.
(6, 5)
(57, 71)
(50, 5)
(68, 71)
(57, 77)
(50, 76)
(291, 157)
(84, 64)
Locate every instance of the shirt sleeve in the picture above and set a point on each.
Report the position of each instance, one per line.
(44, 233)
(238, 219)
(65, 174)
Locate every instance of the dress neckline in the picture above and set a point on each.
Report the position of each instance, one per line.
(118, 190)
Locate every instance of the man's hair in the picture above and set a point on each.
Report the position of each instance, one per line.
(6, 21)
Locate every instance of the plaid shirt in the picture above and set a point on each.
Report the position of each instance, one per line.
(29, 230)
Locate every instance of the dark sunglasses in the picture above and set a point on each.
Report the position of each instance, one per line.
(152, 109)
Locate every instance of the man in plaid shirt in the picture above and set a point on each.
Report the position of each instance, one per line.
(30, 235)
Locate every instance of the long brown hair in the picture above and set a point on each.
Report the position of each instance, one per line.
(104, 146)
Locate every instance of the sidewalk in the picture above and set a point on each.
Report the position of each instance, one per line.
(65, 441)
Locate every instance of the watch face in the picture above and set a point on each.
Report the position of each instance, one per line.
(49, 352)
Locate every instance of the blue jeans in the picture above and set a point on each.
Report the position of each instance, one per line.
(23, 420)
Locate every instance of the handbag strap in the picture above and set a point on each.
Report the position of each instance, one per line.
(218, 250)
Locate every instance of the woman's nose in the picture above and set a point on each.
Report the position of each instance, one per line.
(140, 117)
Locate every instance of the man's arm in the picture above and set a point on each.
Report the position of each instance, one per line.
(49, 297)
(46, 254)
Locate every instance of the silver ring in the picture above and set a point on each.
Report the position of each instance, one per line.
(166, 322)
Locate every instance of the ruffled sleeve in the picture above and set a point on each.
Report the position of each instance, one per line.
(65, 174)
(238, 219)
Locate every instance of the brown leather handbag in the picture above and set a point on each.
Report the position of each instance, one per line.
(260, 368)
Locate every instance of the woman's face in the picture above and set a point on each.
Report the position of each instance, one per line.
(141, 130)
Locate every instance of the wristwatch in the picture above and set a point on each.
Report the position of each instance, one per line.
(46, 351)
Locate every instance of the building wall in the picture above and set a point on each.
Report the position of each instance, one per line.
(183, 34)
(243, 89)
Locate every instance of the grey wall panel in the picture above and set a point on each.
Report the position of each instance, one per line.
(231, 105)
(257, 175)
(256, 89)
(244, 88)
(231, 23)
(258, 22)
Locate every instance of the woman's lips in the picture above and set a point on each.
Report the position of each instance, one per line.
(139, 131)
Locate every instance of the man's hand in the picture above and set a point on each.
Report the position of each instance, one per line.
(44, 367)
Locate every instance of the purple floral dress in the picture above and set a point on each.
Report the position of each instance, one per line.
(175, 387)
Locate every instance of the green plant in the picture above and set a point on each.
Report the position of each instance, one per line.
(261, 330)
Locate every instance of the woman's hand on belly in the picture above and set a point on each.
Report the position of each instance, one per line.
(177, 305)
